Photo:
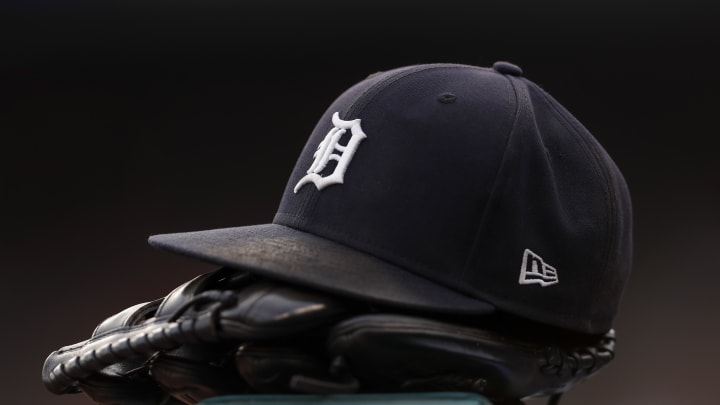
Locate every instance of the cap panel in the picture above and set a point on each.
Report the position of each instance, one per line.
(617, 259)
(552, 198)
(290, 208)
(418, 183)
(612, 269)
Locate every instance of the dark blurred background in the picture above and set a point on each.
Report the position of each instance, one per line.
(120, 120)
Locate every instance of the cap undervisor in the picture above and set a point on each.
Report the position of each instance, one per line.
(287, 254)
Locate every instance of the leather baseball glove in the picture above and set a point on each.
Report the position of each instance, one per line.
(229, 332)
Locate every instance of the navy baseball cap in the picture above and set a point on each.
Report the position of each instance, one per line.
(449, 189)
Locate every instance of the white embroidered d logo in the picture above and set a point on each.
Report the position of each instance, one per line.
(326, 152)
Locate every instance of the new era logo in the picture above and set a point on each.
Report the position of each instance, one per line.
(535, 271)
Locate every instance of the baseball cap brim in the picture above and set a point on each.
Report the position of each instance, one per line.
(298, 257)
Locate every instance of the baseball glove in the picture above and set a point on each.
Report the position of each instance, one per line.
(228, 332)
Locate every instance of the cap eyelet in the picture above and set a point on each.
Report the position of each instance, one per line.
(447, 98)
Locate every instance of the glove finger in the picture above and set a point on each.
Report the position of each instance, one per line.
(392, 352)
(265, 311)
(270, 369)
(122, 382)
(197, 372)
(108, 366)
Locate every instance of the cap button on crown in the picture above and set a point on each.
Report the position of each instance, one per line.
(507, 68)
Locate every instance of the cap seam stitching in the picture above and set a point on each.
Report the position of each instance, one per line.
(359, 105)
(476, 240)
(385, 84)
(609, 195)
